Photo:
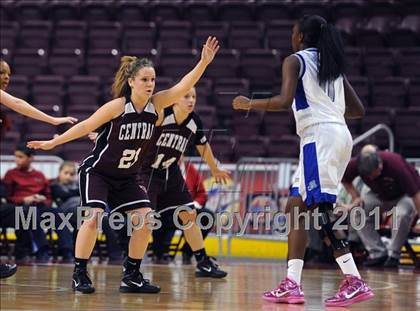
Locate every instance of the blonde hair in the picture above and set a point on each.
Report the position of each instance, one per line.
(129, 67)
(67, 163)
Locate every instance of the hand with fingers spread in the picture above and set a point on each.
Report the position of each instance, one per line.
(221, 176)
(63, 120)
(41, 144)
(241, 102)
(209, 50)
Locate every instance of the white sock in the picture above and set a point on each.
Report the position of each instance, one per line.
(347, 265)
(294, 270)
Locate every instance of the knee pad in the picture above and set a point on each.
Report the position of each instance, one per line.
(325, 209)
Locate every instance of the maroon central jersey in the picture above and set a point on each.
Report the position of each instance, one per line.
(121, 143)
(171, 140)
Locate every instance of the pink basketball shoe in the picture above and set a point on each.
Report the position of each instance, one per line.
(288, 291)
(352, 290)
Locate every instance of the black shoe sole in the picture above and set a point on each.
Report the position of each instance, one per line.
(8, 273)
(130, 290)
(90, 291)
(200, 274)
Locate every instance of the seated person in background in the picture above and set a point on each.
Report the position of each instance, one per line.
(65, 190)
(26, 187)
(65, 193)
(393, 183)
(162, 237)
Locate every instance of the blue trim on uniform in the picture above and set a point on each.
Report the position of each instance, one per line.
(300, 97)
(294, 192)
(312, 49)
(314, 196)
(302, 62)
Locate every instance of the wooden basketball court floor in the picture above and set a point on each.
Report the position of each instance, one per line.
(48, 287)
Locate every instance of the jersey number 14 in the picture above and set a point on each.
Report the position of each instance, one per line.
(165, 164)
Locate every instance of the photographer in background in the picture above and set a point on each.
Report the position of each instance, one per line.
(393, 183)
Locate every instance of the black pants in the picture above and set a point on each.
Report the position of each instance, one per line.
(23, 245)
(38, 235)
(65, 237)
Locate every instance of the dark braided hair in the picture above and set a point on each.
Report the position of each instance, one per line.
(325, 37)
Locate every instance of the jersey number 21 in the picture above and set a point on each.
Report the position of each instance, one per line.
(129, 157)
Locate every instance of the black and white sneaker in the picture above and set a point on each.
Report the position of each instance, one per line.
(7, 270)
(208, 267)
(81, 282)
(133, 282)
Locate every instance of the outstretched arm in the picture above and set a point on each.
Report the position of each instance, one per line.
(104, 114)
(207, 155)
(168, 97)
(354, 106)
(22, 107)
(290, 72)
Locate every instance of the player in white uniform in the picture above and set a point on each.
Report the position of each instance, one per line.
(315, 86)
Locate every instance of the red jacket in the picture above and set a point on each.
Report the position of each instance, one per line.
(195, 184)
(20, 184)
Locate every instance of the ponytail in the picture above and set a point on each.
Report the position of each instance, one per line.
(325, 37)
(129, 67)
(331, 54)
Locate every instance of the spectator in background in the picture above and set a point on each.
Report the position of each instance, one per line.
(393, 183)
(27, 187)
(162, 237)
(65, 193)
(65, 190)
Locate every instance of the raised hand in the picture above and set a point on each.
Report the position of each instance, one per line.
(221, 176)
(209, 50)
(62, 120)
(41, 144)
(241, 102)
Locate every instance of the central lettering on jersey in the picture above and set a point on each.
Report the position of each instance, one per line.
(138, 130)
(173, 141)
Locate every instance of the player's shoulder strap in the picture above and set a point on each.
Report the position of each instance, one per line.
(194, 116)
(128, 105)
(168, 116)
(168, 111)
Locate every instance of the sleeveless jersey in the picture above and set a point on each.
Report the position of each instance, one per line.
(315, 103)
(171, 140)
(122, 142)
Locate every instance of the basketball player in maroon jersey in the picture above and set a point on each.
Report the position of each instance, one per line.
(179, 128)
(107, 175)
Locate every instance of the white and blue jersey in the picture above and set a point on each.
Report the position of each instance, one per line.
(315, 103)
(326, 143)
